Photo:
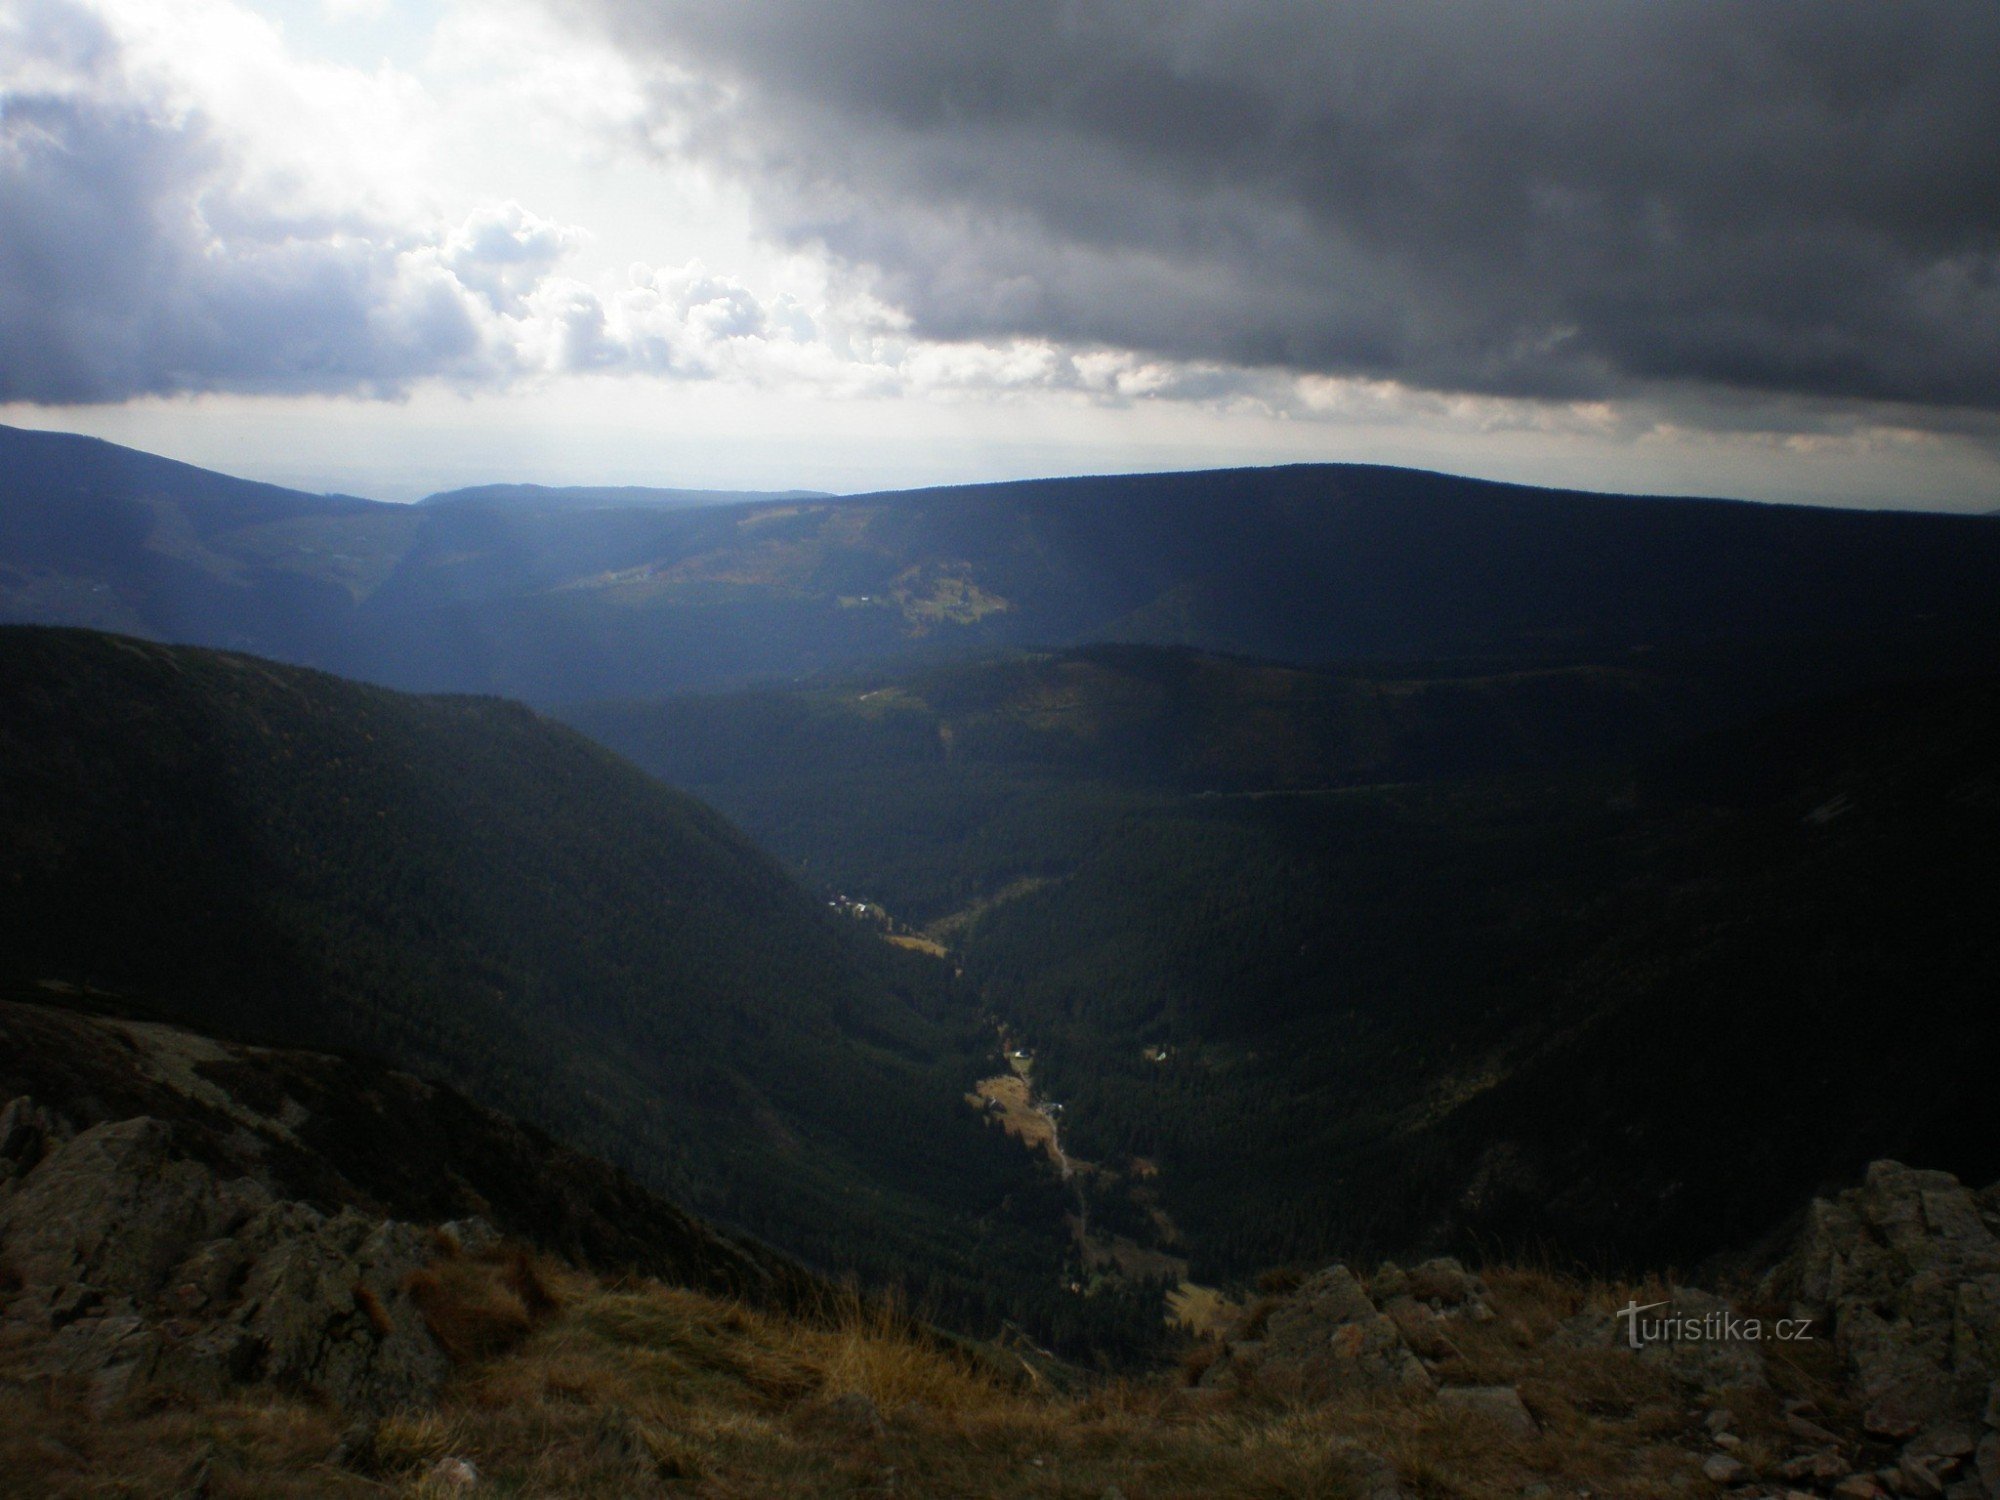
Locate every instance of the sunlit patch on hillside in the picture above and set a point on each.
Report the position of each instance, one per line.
(930, 595)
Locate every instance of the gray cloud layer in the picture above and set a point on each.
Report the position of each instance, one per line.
(1564, 198)
(133, 259)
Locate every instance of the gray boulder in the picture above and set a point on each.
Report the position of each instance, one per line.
(1428, 1300)
(141, 1271)
(324, 1298)
(112, 1210)
(1444, 1284)
(1695, 1343)
(1905, 1269)
(1705, 1357)
(1327, 1338)
(1498, 1404)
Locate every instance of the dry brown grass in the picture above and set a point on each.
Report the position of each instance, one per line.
(630, 1389)
(373, 1310)
(53, 1448)
(478, 1306)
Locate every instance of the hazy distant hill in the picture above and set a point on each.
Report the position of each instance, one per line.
(471, 890)
(98, 535)
(1305, 564)
(602, 497)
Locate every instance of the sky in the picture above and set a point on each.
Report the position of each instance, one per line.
(1738, 248)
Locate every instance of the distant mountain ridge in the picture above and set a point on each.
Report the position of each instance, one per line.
(601, 497)
(89, 466)
(1306, 564)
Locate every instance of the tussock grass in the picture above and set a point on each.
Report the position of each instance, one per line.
(418, 1439)
(477, 1306)
(619, 1389)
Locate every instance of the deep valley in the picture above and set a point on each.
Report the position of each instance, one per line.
(1027, 935)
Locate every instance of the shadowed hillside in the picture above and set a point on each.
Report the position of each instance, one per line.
(1366, 960)
(340, 1130)
(463, 887)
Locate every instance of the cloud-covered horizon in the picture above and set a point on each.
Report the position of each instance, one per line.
(154, 248)
(1569, 199)
(1598, 222)
(161, 244)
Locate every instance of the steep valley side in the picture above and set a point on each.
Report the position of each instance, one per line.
(463, 888)
(1348, 994)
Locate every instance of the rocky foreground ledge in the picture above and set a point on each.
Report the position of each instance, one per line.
(135, 1273)
(1887, 1309)
(223, 1298)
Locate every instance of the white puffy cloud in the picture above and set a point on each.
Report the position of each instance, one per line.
(193, 209)
(147, 252)
(504, 253)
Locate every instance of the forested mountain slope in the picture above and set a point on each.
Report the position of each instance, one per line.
(1307, 564)
(98, 535)
(341, 1130)
(463, 887)
(1358, 962)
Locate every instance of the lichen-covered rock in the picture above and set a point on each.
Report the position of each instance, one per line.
(111, 1209)
(326, 1303)
(452, 1475)
(1701, 1351)
(1427, 1300)
(469, 1236)
(1724, 1470)
(1444, 1283)
(138, 1270)
(1423, 1328)
(1325, 1339)
(1906, 1270)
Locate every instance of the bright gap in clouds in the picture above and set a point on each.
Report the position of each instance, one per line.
(395, 247)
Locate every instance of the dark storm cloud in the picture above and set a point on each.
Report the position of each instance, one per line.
(1571, 198)
(133, 260)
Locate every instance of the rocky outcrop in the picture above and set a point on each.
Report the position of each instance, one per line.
(1426, 1301)
(1330, 1337)
(132, 1269)
(1697, 1336)
(342, 1131)
(1905, 1271)
(112, 1210)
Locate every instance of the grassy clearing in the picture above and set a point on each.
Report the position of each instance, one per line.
(947, 928)
(1204, 1311)
(617, 1390)
(1012, 1100)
